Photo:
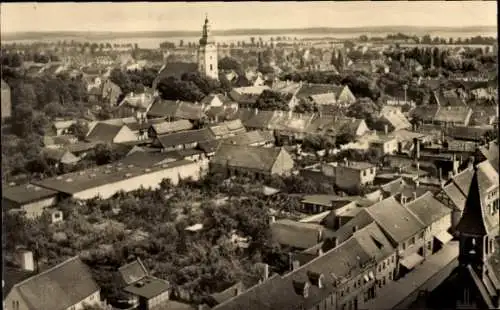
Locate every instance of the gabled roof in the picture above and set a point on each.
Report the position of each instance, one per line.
(103, 132)
(458, 114)
(169, 127)
(396, 220)
(474, 221)
(60, 155)
(58, 288)
(185, 137)
(256, 118)
(227, 127)
(428, 209)
(490, 152)
(308, 90)
(176, 109)
(397, 120)
(250, 157)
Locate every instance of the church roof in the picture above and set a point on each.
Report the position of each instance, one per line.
(473, 220)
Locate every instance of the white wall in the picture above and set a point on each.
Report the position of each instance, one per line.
(146, 180)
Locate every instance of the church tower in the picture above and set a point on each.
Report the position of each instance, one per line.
(476, 230)
(207, 53)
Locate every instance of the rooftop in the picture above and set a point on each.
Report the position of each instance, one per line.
(26, 193)
(75, 182)
(148, 287)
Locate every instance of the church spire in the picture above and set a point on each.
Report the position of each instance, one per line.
(473, 221)
(206, 32)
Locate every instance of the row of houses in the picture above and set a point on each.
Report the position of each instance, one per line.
(383, 245)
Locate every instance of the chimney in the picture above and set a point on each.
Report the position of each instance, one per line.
(256, 111)
(272, 219)
(386, 129)
(301, 288)
(450, 175)
(414, 195)
(346, 162)
(440, 174)
(355, 228)
(25, 260)
(320, 252)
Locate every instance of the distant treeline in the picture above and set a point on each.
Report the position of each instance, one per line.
(320, 30)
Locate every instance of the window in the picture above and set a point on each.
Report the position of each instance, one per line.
(403, 246)
(412, 240)
(421, 236)
(364, 173)
(211, 67)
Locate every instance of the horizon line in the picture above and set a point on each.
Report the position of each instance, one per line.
(243, 29)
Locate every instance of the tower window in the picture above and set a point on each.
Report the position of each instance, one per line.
(211, 68)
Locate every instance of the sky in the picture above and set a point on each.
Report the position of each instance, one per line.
(143, 16)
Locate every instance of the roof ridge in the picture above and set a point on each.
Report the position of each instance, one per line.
(47, 271)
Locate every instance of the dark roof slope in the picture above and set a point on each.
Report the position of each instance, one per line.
(177, 69)
(258, 158)
(185, 137)
(428, 209)
(473, 218)
(26, 193)
(133, 272)
(103, 132)
(58, 288)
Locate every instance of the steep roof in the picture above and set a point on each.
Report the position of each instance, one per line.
(428, 209)
(396, 220)
(458, 114)
(474, 219)
(397, 120)
(103, 132)
(258, 158)
(58, 288)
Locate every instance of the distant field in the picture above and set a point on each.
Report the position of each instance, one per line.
(152, 39)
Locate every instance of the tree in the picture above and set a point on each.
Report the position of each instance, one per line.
(171, 88)
(205, 84)
(181, 43)
(270, 100)
(229, 63)
(79, 130)
(345, 138)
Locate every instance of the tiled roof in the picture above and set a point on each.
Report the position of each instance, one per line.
(467, 132)
(185, 137)
(23, 194)
(324, 99)
(308, 90)
(361, 220)
(374, 242)
(396, 220)
(60, 155)
(251, 137)
(229, 127)
(58, 288)
(146, 159)
(458, 114)
(176, 109)
(397, 120)
(258, 158)
(256, 119)
(428, 209)
(251, 90)
(228, 293)
(169, 127)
